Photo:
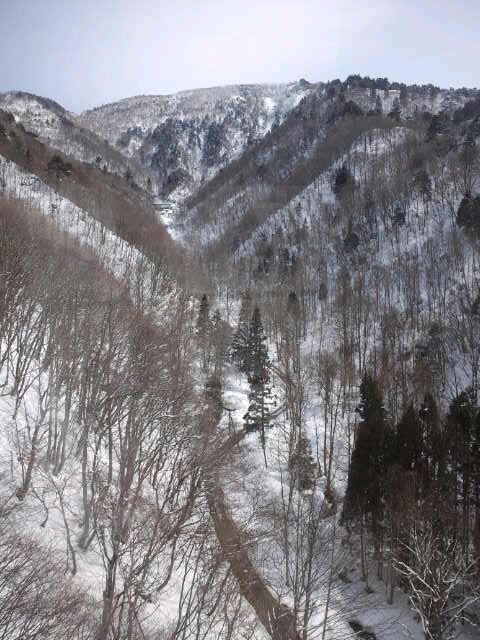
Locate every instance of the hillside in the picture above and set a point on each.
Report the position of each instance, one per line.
(270, 428)
(59, 129)
(187, 137)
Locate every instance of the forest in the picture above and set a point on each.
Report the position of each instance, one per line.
(263, 419)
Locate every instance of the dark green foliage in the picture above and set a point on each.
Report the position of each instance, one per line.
(423, 184)
(258, 416)
(470, 110)
(213, 144)
(461, 438)
(439, 125)
(371, 457)
(213, 391)
(351, 108)
(203, 320)
(58, 166)
(396, 111)
(293, 305)
(220, 333)
(342, 178)
(258, 361)
(433, 443)
(409, 441)
(293, 316)
(399, 216)
(302, 465)
(239, 349)
(351, 242)
(468, 214)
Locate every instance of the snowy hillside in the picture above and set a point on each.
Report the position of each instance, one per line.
(275, 431)
(59, 129)
(187, 137)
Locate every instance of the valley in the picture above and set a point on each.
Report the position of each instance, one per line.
(239, 364)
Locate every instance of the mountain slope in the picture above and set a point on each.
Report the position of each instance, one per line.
(193, 460)
(186, 137)
(309, 140)
(58, 128)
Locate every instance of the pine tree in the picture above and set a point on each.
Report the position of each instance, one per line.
(371, 457)
(219, 339)
(396, 111)
(460, 433)
(302, 464)
(468, 214)
(239, 349)
(257, 354)
(293, 316)
(433, 443)
(342, 177)
(203, 316)
(204, 330)
(260, 398)
(409, 441)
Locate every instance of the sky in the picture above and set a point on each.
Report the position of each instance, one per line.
(83, 53)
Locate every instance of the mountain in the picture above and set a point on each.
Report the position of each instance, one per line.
(262, 421)
(59, 129)
(310, 140)
(185, 138)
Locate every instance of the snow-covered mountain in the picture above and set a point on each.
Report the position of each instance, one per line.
(57, 127)
(187, 137)
(339, 226)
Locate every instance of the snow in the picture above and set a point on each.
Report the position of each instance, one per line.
(115, 254)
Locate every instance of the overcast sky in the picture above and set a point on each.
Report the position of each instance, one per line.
(83, 53)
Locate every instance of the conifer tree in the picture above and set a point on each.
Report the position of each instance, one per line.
(219, 338)
(203, 330)
(203, 316)
(371, 457)
(239, 348)
(433, 448)
(302, 464)
(460, 433)
(342, 177)
(409, 441)
(294, 314)
(257, 417)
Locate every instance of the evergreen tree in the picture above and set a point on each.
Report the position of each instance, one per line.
(257, 355)
(257, 417)
(203, 317)
(203, 330)
(468, 214)
(409, 441)
(438, 125)
(342, 177)
(461, 433)
(433, 446)
(396, 111)
(293, 315)
(371, 458)
(302, 464)
(239, 349)
(219, 341)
